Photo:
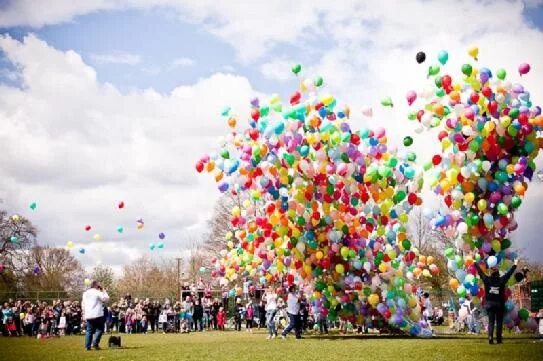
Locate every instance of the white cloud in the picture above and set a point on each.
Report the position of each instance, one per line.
(182, 62)
(77, 147)
(118, 57)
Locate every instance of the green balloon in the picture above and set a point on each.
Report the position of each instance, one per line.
(440, 93)
(406, 244)
(318, 81)
(514, 113)
(523, 314)
(503, 209)
(501, 74)
(296, 68)
(407, 141)
(437, 81)
(516, 201)
(467, 69)
(506, 243)
(411, 156)
(433, 70)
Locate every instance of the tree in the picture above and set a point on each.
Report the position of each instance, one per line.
(46, 268)
(106, 277)
(16, 234)
(431, 242)
(147, 278)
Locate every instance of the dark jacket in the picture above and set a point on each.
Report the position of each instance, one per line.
(495, 286)
(198, 312)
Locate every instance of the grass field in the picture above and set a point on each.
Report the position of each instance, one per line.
(230, 345)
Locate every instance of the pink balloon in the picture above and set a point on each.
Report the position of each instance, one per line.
(523, 68)
(411, 96)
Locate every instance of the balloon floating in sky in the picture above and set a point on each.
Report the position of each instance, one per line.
(160, 245)
(120, 229)
(421, 57)
(296, 68)
(442, 57)
(14, 239)
(36, 270)
(120, 205)
(523, 69)
(411, 96)
(70, 245)
(140, 224)
(473, 51)
(161, 235)
(88, 228)
(15, 218)
(87, 282)
(33, 206)
(97, 237)
(387, 102)
(82, 250)
(367, 111)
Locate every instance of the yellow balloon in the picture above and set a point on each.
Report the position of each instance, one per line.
(473, 51)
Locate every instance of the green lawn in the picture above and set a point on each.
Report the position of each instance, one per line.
(230, 345)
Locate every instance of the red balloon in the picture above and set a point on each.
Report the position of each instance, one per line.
(474, 97)
(253, 133)
(199, 169)
(295, 98)
(436, 159)
(255, 114)
(487, 92)
(121, 203)
(442, 135)
(412, 198)
(87, 228)
(446, 81)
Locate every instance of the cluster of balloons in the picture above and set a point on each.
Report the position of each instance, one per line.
(321, 205)
(488, 129)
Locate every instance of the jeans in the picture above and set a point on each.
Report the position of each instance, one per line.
(294, 323)
(495, 315)
(270, 322)
(94, 325)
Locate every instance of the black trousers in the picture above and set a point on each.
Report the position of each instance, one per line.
(495, 315)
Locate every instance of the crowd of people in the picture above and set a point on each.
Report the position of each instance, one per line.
(252, 308)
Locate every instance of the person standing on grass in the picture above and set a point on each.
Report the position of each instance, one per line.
(271, 310)
(93, 313)
(495, 298)
(293, 311)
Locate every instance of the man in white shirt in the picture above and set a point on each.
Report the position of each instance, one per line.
(93, 314)
(293, 311)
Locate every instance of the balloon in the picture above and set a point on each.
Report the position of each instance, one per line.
(443, 56)
(411, 96)
(120, 229)
(467, 69)
(82, 250)
(33, 205)
(492, 261)
(70, 245)
(387, 102)
(296, 68)
(433, 70)
(523, 69)
(501, 74)
(152, 246)
(407, 141)
(202, 269)
(121, 205)
(318, 81)
(421, 56)
(87, 282)
(14, 239)
(473, 51)
(161, 235)
(88, 228)
(367, 111)
(97, 237)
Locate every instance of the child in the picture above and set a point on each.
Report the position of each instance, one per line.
(129, 321)
(62, 323)
(249, 315)
(221, 316)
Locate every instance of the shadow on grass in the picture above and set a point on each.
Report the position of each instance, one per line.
(478, 338)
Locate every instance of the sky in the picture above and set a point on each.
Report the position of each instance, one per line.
(105, 101)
